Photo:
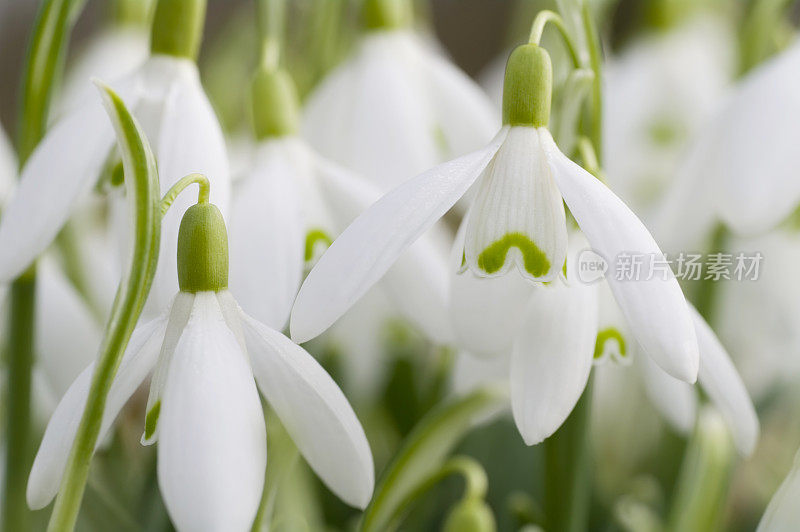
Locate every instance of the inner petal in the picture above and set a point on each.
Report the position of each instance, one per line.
(518, 215)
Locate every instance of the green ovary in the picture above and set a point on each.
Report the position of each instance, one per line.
(151, 420)
(608, 334)
(493, 257)
(312, 237)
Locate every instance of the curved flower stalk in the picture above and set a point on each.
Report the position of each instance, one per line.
(114, 52)
(659, 92)
(396, 108)
(516, 222)
(166, 96)
(207, 356)
(290, 205)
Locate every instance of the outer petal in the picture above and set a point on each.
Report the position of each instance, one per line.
(674, 399)
(178, 318)
(68, 335)
(782, 513)
(314, 411)
(375, 240)
(64, 167)
(189, 140)
(755, 157)
(518, 215)
(552, 358)
(466, 116)
(722, 383)
(655, 309)
(212, 449)
(51, 459)
(266, 237)
(486, 313)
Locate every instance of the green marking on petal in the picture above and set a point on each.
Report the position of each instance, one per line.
(603, 336)
(494, 256)
(312, 237)
(151, 420)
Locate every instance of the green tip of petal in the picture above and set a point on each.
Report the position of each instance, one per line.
(151, 420)
(313, 237)
(528, 87)
(492, 259)
(202, 250)
(611, 333)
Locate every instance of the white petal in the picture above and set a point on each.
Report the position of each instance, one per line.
(189, 139)
(722, 383)
(674, 399)
(51, 459)
(466, 116)
(178, 318)
(486, 312)
(314, 411)
(375, 240)
(346, 194)
(67, 334)
(552, 358)
(266, 237)
(8, 168)
(518, 215)
(755, 157)
(655, 309)
(64, 167)
(212, 448)
(783, 514)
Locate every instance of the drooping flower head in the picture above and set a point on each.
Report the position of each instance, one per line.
(207, 356)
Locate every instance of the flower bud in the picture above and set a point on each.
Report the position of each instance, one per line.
(202, 250)
(275, 103)
(470, 515)
(528, 87)
(178, 28)
(386, 14)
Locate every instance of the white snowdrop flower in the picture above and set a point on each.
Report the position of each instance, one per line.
(396, 108)
(749, 150)
(782, 513)
(166, 97)
(658, 94)
(676, 400)
(516, 222)
(759, 320)
(8, 168)
(207, 357)
(290, 205)
(114, 52)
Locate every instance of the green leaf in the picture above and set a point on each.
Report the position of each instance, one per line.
(141, 183)
(425, 450)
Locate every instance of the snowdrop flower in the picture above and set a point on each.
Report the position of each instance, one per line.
(658, 93)
(782, 512)
(749, 154)
(516, 221)
(291, 203)
(207, 356)
(8, 168)
(114, 52)
(168, 100)
(396, 108)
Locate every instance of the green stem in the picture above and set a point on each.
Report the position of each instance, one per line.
(141, 180)
(42, 68)
(595, 61)
(20, 363)
(706, 294)
(537, 29)
(203, 192)
(271, 22)
(567, 470)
